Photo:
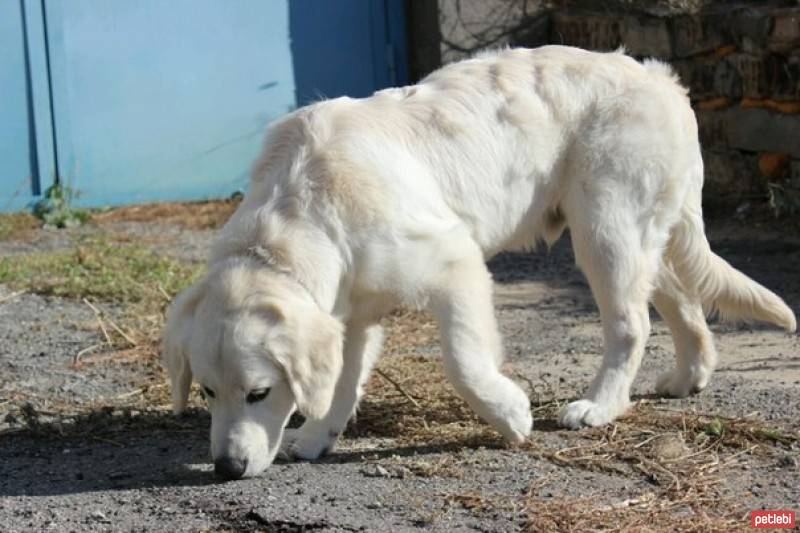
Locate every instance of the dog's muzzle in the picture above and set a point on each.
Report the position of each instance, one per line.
(230, 468)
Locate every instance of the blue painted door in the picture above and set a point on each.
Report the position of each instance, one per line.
(26, 143)
(159, 100)
(347, 47)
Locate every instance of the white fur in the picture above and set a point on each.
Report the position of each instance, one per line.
(357, 206)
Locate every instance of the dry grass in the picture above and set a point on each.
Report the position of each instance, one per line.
(192, 215)
(189, 215)
(17, 226)
(647, 513)
(683, 456)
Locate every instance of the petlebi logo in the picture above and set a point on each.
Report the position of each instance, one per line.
(769, 519)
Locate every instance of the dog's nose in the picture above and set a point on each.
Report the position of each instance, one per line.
(230, 468)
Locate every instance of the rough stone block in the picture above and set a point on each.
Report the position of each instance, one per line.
(750, 28)
(785, 84)
(698, 75)
(692, 35)
(751, 129)
(647, 36)
(750, 72)
(728, 173)
(727, 80)
(591, 31)
(774, 165)
(758, 77)
(711, 125)
(785, 34)
(533, 33)
(794, 174)
(760, 130)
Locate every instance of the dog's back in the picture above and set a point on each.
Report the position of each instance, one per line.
(486, 142)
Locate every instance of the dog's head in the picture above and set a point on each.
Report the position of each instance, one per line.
(260, 348)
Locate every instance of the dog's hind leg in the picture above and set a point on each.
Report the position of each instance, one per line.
(695, 353)
(620, 269)
(472, 347)
(318, 437)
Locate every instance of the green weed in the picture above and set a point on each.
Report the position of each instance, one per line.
(98, 269)
(715, 428)
(56, 208)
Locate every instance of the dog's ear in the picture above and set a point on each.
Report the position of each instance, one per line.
(314, 364)
(174, 350)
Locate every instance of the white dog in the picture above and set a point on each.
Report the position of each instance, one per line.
(358, 206)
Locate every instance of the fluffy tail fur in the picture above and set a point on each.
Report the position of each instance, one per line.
(722, 289)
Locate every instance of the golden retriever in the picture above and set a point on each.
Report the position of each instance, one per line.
(357, 206)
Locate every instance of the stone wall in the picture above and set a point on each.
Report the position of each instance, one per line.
(741, 61)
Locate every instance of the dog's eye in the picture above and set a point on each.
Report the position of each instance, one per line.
(257, 395)
(208, 393)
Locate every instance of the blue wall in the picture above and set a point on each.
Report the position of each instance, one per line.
(163, 100)
(155, 101)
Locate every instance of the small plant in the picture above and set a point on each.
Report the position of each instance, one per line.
(56, 208)
(715, 428)
(773, 435)
(783, 200)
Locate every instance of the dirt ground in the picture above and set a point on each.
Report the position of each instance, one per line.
(87, 442)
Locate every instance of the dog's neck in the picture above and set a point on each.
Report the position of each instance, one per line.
(313, 264)
(303, 244)
(279, 265)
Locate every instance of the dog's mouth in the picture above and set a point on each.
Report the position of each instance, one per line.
(230, 466)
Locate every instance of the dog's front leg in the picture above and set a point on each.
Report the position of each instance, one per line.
(316, 438)
(473, 349)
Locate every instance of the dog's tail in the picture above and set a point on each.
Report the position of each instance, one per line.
(722, 289)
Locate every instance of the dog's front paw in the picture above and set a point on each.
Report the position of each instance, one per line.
(515, 421)
(308, 443)
(585, 413)
(677, 384)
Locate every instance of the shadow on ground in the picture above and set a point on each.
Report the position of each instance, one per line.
(771, 261)
(105, 450)
(122, 449)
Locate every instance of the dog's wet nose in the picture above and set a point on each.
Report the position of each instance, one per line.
(230, 468)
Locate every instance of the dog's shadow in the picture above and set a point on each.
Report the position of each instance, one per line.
(110, 450)
(105, 450)
(410, 450)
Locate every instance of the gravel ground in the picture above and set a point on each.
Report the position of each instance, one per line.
(153, 474)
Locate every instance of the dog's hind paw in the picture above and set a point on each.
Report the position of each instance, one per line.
(308, 443)
(583, 413)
